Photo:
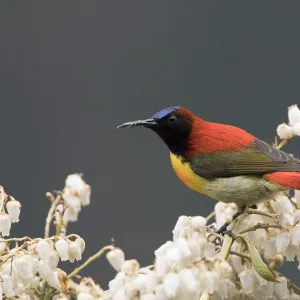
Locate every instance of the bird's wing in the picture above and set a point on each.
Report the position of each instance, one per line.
(257, 159)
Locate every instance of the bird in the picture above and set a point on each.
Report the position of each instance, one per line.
(223, 162)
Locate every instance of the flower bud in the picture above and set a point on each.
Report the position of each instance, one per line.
(171, 285)
(296, 235)
(5, 224)
(43, 249)
(130, 267)
(281, 289)
(116, 258)
(283, 240)
(13, 208)
(199, 223)
(284, 131)
(62, 247)
(294, 114)
(247, 281)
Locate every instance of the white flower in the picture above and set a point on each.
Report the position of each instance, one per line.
(74, 251)
(247, 281)
(43, 250)
(116, 258)
(62, 247)
(283, 240)
(163, 248)
(171, 284)
(7, 285)
(180, 227)
(72, 199)
(77, 184)
(270, 248)
(208, 281)
(53, 260)
(294, 114)
(26, 265)
(85, 296)
(161, 265)
(183, 247)
(5, 224)
(199, 223)
(174, 257)
(286, 220)
(283, 204)
(160, 292)
(281, 289)
(285, 131)
(71, 214)
(188, 281)
(130, 267)
(296, 235)
(296, 129)
(149, 296)
(13, 208)
(2, 247)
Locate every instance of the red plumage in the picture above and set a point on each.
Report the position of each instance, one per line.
(290, 180)
(208, 137)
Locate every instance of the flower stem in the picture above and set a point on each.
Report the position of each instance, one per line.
(259, 226)
(50, 215)
(210, 216)
(89, 260)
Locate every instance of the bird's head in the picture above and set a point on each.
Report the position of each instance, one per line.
(173, 124)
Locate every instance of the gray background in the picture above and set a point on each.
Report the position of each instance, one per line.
(70, 72)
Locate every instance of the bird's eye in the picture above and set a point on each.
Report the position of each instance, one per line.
(172, 119)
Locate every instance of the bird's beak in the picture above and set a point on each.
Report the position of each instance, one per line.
(146, 123)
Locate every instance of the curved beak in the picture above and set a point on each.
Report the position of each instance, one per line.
(146, 123)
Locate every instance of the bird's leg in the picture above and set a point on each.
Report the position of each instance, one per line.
(223, 229)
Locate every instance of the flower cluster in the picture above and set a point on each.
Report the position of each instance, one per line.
(191, 266)
(287, 131)
(12, 213)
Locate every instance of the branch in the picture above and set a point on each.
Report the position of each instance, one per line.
(259, 226)
(50, 215)
(89, 260)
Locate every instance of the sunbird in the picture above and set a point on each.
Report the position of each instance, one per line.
(222, 161)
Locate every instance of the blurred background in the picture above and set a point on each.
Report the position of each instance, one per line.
(71, 71)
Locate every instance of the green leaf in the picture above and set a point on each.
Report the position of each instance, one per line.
(258, 264)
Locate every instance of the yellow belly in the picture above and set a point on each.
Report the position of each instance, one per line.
(186, 175)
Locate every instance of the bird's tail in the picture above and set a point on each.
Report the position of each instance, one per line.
(290, 180)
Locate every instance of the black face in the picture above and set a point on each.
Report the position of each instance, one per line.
(174, 129)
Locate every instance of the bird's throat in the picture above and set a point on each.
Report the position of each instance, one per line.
(184, 172)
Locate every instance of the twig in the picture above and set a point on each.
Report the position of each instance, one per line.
(283, 143)
(261, 213)
(240, 255)
(89, 260)
(259, 226)
(50, 215)
(210, 216)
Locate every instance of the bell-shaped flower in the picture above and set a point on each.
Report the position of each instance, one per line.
(294, 114)
(171, 285)
(62, 247)
(285, 131)
(74, 251)
(43, 250)
(116, 258)
(5, 224)
(13, 208)
(247, 281)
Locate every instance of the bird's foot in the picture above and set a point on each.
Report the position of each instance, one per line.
(223, 229)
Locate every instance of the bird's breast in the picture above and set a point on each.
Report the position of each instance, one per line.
(186, 175)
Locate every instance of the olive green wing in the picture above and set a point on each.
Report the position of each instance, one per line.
(257, 159)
